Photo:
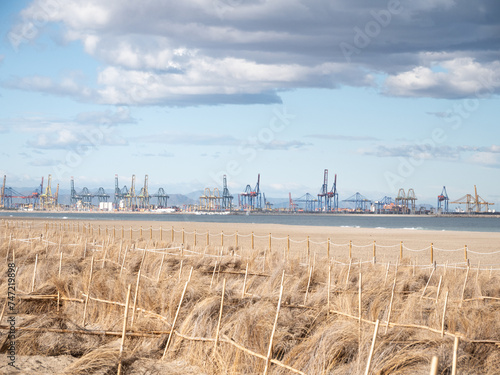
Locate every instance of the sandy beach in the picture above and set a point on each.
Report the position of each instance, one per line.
(483, 248)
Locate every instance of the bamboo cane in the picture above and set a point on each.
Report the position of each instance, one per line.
(270, 349)
(455, 356)
(444, 313)
(220, 314)
(372, 348)
(244, 282)
(136, 294)
(88, 291)
(390, 304)
(434, 365)
(124, 331)
(176, 315)
(34, 274)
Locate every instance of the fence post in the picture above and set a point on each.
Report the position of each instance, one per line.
(308, 248)
(194, 237)
(269, 243)
(183, 236)
(401, 250)
(328, 248)
(350, 249)
(288, 246)
(465, 252)
(374, 253)
(208, 237)
(252, 241)
(432, 253)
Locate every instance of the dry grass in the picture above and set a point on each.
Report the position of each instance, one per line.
(308, 337)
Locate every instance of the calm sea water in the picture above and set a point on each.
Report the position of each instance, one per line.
(475, 223)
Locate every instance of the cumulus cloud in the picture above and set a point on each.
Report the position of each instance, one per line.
(236, 51)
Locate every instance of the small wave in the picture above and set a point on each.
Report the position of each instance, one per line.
(380, 228)
(414, 228)
(350, 226)
(64, 217)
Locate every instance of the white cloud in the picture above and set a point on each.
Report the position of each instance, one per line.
(233, 51)
(463, 77)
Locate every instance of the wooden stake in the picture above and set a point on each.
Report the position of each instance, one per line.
(374, 253)
(308, 284)
(208, 238)
(244, 283)
(432, 253)
(161, 265)
(328, 288)
(60, 263)
(401, 250)
(426, 285)
(434, 365)
(124, 257)
(88, 291)
(124, 330)
(350, 249)
(308, 249)
(270, 349)
(220, 314)
(180, 270)
(213, 274)
(252, 241)
(171, 334)
(390, 304)
(172, 235)
(463, 289)
(439, 288)
(372, 348)
(387, 272)
(288, 246)
(455, 356)
(105, 253)
(135, 298)
(444, 313)
(348, 272)
(465, 253)
(34, 274)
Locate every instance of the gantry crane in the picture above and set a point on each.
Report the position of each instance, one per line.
(474, 203)
(442, 201)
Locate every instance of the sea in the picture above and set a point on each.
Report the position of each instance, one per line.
(410, 222)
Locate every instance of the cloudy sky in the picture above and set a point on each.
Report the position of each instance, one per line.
(386, 94)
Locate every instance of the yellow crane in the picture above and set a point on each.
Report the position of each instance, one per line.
(473, 203)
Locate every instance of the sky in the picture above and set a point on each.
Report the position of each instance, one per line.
(385, 94)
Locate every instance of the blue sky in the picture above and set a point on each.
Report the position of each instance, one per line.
(385, 94)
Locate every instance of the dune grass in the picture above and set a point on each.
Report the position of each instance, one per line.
(309, 337)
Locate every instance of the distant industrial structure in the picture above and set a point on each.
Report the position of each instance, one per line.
(328, 200)
(251, 199)
(214, 201)
(473, 203)
(219, 199)
(39, 199)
